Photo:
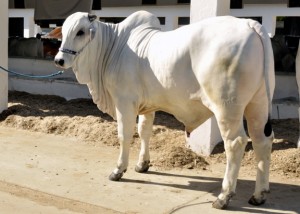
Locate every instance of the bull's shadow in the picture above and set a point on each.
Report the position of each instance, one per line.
(282, 145)
(282, 199)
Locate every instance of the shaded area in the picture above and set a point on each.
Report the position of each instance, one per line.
(280, 197)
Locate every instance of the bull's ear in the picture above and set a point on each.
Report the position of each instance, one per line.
(92, 17)
(54, 34)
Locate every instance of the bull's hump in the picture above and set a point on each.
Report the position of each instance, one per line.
(141, 18)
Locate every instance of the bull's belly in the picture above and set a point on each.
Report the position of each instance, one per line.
(191, 113)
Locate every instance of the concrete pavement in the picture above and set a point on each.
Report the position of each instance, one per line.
(53, 174)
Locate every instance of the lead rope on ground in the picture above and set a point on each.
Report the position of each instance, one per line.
(32, 76)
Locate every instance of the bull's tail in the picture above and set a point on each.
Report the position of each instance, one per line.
(269, 73)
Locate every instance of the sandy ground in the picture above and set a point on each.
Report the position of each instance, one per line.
(81, 119)
(47, 173)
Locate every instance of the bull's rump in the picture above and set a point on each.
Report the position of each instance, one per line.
(218, 60)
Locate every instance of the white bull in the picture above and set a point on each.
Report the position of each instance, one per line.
(222, 66)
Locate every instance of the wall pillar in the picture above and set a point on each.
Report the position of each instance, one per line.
(269, 23)
(29, 27)
(201, 9)
(171, 23)
(3, 54)
(204, 138)
(298, 83)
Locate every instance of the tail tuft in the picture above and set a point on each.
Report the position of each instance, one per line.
(268, 128)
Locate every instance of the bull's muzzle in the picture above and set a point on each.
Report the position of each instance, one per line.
(59, 62)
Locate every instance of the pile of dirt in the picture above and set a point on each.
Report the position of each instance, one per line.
(54, 115)
(178, 156)
(292, 164)
(286, 162)
(82, 119)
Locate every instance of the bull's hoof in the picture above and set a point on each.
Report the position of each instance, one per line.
(256, 202)
(144, 168)
(219, 204)
(116, 176)
(223, 204)
(261, 200)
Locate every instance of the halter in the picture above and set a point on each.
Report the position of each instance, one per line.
(68, 51)
(76, 53)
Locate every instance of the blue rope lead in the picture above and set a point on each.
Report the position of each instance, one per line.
(32, 76)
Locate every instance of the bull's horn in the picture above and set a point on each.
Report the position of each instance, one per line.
(92, 17)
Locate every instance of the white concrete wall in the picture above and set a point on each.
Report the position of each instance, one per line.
(267, 12)
(39, 67)
(170, 12)
(30, 28)
(285, 86)
(66, 89)
(3, 54)
(64, 85)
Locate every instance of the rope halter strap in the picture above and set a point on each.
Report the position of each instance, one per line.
(68, 51)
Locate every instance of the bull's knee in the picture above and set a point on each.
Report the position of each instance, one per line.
(236, 145)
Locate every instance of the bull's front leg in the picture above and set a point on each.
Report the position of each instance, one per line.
(126, 118)
(145, 131)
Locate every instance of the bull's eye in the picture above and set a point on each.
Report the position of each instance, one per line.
(80, 33)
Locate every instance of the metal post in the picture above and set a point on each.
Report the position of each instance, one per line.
(298, 83)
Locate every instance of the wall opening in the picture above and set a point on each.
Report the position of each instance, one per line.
(236, 4)
(148, 2)
(183, 21)
(285, 43)
(16, 27)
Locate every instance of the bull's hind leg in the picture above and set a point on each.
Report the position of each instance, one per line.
(145, 131)
(230, 121)
(261, 133)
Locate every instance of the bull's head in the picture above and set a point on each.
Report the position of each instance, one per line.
(77, 32)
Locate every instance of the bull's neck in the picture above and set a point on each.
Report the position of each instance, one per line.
(114, 39)
(92, 65)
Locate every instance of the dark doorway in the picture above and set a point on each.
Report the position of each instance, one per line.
(16, 27)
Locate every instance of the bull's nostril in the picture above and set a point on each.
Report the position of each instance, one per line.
(60, 62)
